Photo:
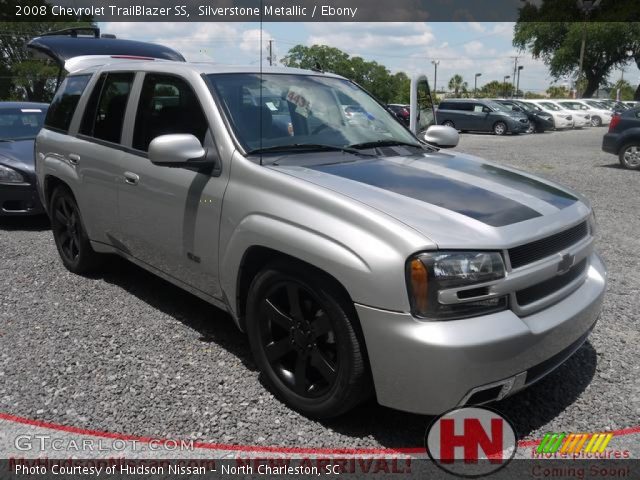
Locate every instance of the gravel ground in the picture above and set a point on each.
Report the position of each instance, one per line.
(127, 352)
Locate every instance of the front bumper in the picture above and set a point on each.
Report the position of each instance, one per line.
(19, 199)
(560, 122)
(429, 367)
(518, 127)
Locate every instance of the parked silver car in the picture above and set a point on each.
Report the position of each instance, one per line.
(359, 258)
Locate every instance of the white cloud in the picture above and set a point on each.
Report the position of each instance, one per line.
(365, 35)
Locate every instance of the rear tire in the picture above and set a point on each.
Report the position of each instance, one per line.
(596, 121)
(303, 337)
(70, 235)
(500, 128)
(629, 156)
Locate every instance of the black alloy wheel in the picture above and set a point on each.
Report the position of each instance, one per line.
(69, 234)
(303, 336)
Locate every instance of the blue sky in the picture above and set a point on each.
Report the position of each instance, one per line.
(466, 48)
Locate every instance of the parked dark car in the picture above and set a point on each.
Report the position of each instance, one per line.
(401, 112)
(539, 120)
(481, 116)
(623, 138)
(20, 122)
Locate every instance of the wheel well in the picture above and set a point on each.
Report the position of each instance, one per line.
(50, 184)
(255, 259)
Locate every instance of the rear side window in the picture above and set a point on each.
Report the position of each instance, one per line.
(167, 105)
(105, 110)
(447, 106)
(65, 101)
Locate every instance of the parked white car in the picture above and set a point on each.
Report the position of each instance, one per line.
(581, 113)
(561, 118)
(600, 114)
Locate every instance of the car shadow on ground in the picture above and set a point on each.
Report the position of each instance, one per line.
(35, 223)
(617, 166)
(528, 410)
(213, 325)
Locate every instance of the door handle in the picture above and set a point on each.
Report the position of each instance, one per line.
(131, 178)
(74, 158)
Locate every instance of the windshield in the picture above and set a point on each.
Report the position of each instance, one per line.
(20, 123)
(524, 106)
(498, 106)
(573, 106)
(279, 110)
(597, 105)
(550, 106)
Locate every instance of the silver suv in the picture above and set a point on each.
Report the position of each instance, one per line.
(360, 258)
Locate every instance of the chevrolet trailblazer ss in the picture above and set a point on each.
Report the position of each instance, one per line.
(360, 257)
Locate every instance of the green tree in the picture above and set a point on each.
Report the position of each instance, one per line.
(458, 85)
(491, 89)
(25, 77)
(558, 91)
(372, 76)
(610, 44)
(627, 92)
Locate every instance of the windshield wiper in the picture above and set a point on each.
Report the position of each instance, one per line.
(309, 147)
(384, 143)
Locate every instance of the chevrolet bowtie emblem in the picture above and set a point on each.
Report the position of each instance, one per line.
(566, 263)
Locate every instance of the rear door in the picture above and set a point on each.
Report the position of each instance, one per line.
(170, 216)
(99, 153)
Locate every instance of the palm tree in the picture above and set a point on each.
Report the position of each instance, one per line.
(457, 84)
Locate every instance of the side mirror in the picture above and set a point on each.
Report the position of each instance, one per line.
(175, 150)
(442, 136)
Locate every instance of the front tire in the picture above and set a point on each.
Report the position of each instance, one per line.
(69, 234)
(630, 156)
(303, 337)
(500, 128)
(448, 123)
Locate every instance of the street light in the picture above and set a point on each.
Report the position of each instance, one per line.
(435, 76)
(475, 84)
(518, 81)
(587, 7)
(504, 81)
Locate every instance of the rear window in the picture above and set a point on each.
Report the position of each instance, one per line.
(20, 123)
(65, 102)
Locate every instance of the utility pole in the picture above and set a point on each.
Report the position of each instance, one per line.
(520, 68)
(271, 53)
(435, 76)
(515, 71)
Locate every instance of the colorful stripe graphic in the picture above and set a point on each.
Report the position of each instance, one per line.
(574, 442)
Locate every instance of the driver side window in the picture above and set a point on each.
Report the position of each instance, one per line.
(167, 105)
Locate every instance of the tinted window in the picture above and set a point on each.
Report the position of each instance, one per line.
(167, 105)
(106, 119)
(425, 106)
(88, 119)
(21, 123)
(65, 101)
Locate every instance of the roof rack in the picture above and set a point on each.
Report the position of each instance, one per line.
(73, 32)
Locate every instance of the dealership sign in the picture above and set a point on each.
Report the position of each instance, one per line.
(471, 441)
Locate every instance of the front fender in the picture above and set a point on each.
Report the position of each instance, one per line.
(363, 278)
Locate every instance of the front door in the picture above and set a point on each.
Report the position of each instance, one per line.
(170, 216)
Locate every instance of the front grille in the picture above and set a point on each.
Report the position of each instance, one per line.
(530, 252)
(540, 290)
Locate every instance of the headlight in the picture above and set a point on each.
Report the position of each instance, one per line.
(430, 273)
(9, 175)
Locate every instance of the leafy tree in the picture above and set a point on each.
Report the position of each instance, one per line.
(372, 76)
(458, 85)
(532, 95)
(558, 91)
(626, 90)
(492, 89)
(23, 76)
(610, 43)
